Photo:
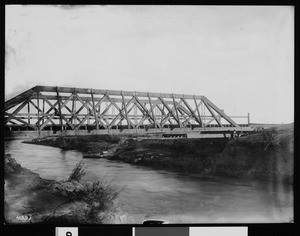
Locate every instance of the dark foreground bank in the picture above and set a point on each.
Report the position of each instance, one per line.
(31, 199)
(267, 154)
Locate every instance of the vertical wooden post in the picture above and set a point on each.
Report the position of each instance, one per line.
(74, 109)
(198, 111)
(176, 111)
(163, 116)
(248, 119)
(153, 115)
(204, 115)
(94, 108)
(43, 111)
(72, 115)
(28, 112)
(38, 105)
(125, 109)
(58, 101)
(135, 115)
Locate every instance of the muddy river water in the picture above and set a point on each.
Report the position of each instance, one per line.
(158, 194)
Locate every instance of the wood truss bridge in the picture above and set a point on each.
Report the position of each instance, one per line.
(45, 108)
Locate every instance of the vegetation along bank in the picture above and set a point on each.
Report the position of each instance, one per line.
(267, 154)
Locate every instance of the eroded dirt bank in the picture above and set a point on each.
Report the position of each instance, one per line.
(267, 154)
(31, 199)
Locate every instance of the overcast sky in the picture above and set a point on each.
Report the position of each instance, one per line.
(241, 58)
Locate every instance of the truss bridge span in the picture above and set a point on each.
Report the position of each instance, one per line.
(63, 110)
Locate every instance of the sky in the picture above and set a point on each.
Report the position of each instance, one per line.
(239, 57)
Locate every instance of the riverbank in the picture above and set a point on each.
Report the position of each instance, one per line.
(30, 199)
(267, 154)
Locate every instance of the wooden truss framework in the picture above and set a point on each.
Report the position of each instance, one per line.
(73, 108)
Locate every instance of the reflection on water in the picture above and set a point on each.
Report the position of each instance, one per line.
(179, 198)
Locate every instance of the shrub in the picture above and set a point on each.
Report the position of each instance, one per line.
(77, 173)
(269, 139)
(97, 196)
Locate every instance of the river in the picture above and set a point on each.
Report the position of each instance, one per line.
(157, 194)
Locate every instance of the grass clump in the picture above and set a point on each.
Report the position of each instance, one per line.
(99, 197)
(92, 198)
(77, 173)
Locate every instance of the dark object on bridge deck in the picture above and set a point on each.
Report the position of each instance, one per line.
(155, 222)
(174, 135)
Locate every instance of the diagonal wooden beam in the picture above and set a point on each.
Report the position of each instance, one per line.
(99, 102)
(141, 121)
(24, 122)
(184, 112)
(66, 101)
(191, 111)
(213, 114)
(42, 113)
(167, 116)
(176, 110)
(18, 99)
(220, 112)
(106, 109)
(18, 109)
(144, 108)
(162, 114)
(124, 107)
(47, 121)
(151, 108)
(52, 107)
(59, 109)
(81, 123)
(198, 112)
(94, 109)
(83, 103)
(169, 109)
(35, 106)
(129, 110)
(120, 111)
(62, 117)
(102, 123)
(14, 123)
(102, 115)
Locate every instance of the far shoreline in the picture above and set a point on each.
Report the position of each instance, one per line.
(265, 155)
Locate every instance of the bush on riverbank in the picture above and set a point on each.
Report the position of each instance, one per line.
(95, 199)
(77, 173)
(59, 202)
